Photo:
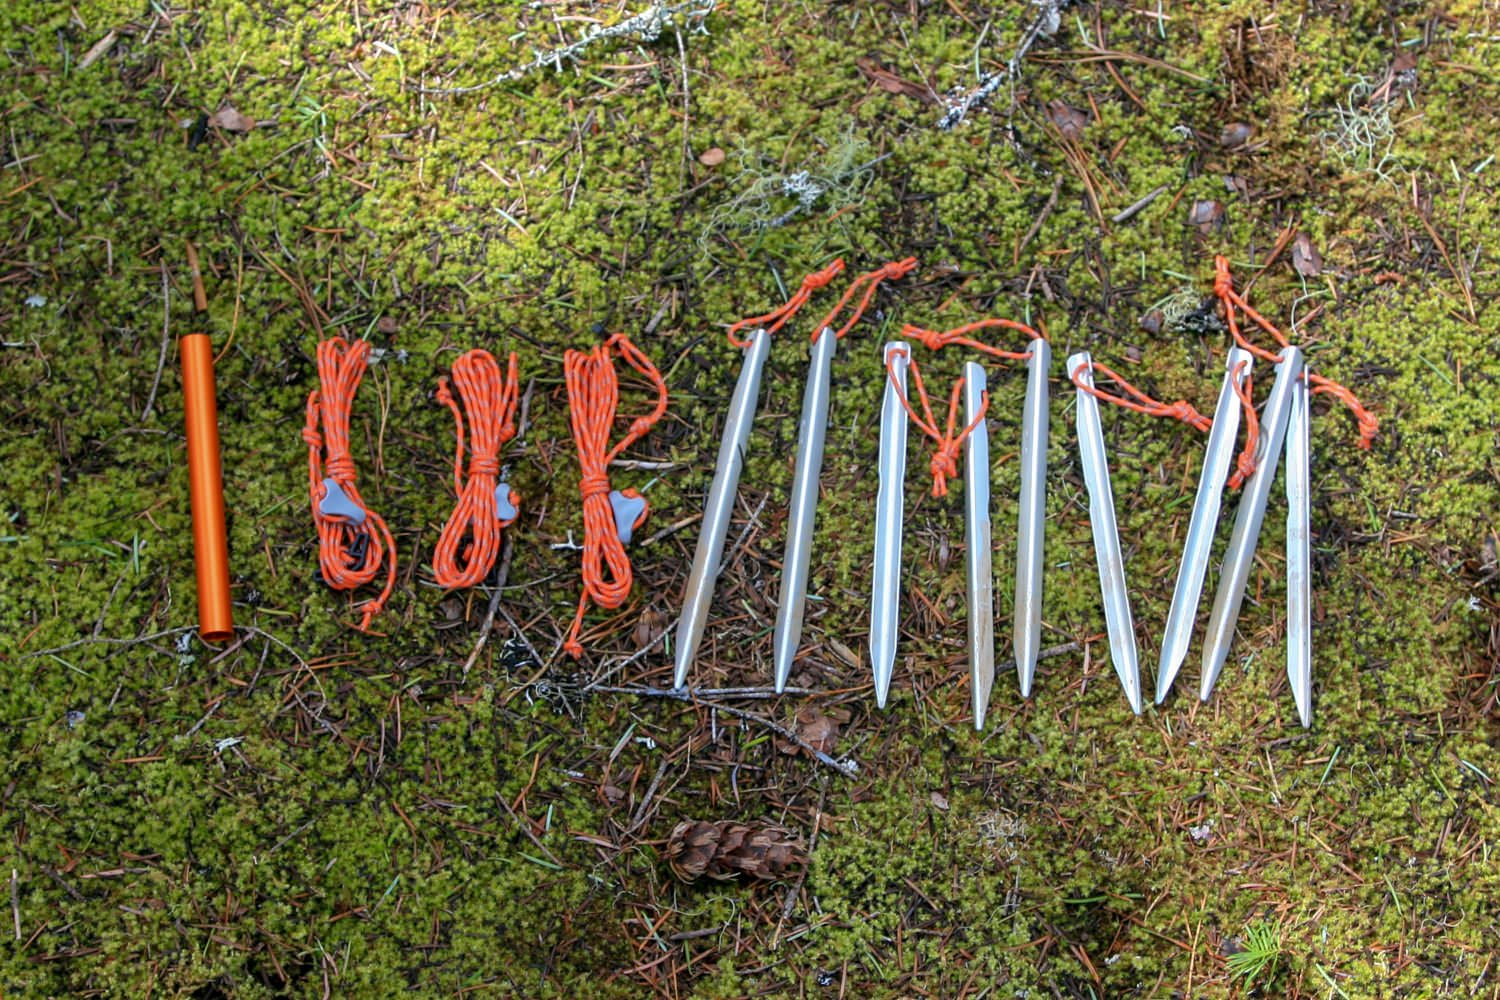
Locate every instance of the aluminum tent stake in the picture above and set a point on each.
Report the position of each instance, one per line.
(1201, 525)
(1299, 552)
(978, 558)
(810, 438)
(1111, 561)
(890, 503)
(1247, 522)
(813, 427)
(1031, 523)
(720, 505)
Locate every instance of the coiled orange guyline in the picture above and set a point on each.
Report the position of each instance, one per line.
(353, 540)
(470, 542)
(609, 516)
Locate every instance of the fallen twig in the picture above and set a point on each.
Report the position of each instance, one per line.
(647, 26)
(847, 768)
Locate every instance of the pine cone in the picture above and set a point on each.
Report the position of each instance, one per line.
(725, 849)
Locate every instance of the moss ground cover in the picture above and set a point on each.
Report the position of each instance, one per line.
(313, 812)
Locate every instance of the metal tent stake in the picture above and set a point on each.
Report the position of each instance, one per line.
(810, 437)
(720, 505)
(1247, 522)
(977, 542)
(890, 504)
(1031, 525)
(1201, 525)
(1299, 552)
(1106, 533)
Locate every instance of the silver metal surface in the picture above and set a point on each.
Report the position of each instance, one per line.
(890, 502)
(1299, 552)
(978, 557)
(799, 532)
(1111, 561)
(1202, 523)
(720, 505)
(1032, 520)
(1247, 522)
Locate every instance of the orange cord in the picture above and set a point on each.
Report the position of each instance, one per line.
(777, 318)
(593, 395)
(944, 463)
(490, 400)
(1245, 389)
(870, 281)
(1369, 425)
(349, 553)
(1139, 401)
(935, 340)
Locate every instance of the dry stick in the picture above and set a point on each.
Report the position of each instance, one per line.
(1062, 649)
(640, 812)
(1041, 217)
(110, 641)
(166, 339)
(1463, 284)
(200, 297)
(1132, 211)
(672, 528)
(501, 575)
(687, 109)
(796, 890)
(526, 829)
(15, 902)
(739, 543)
(848, 770)
(593, 685)
(505, 552)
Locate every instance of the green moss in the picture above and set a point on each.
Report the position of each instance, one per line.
(365, 816)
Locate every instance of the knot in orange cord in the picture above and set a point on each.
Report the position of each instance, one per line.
(869, 282)
(1368, 425)
(609, 517)
(1140, 402)
(935, 340)
(1223, 283)
(353, 540)
(944, 463)
(778, 317)
(470, 541)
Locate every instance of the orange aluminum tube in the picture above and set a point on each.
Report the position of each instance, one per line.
(210, 545)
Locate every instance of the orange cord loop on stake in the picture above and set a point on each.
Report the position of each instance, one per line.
(1367, 422)
(869, 281)
(1140, 402)
(777, 318)
(959, 336)
(470, 542)
(944, 463)
(1245, 464)
(609, 517)
(350, 553)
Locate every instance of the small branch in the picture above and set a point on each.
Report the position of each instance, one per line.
(640, 812)
(110, 641)
(505, 552)
(525, 826)
(691, 697)
(1129, 213)
(166, 340)
(1041, 218)
(647, 26)
(489, 615)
